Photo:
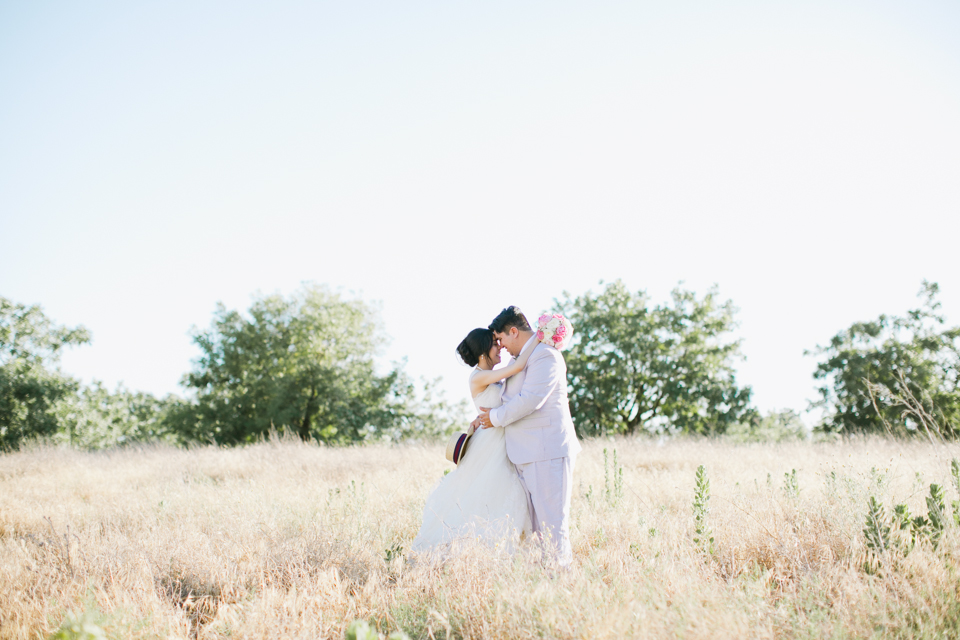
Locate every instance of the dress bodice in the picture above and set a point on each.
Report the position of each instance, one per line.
(489, 397)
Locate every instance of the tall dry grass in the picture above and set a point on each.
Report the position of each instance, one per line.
(286, 540)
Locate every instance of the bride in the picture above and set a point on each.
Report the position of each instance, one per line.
(482, 498)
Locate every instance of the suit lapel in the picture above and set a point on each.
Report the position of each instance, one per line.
(506, 390)
(515, 382)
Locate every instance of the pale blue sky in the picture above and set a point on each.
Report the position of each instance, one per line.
(156, 159)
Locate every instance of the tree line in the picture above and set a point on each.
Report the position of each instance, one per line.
(671, 367)
(303, 364)
(307, 364)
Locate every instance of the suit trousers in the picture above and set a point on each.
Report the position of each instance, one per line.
(548, 485)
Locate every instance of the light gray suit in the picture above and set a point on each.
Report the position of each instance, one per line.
(541, 442)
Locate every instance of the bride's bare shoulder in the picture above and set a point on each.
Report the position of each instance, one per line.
(476, 391)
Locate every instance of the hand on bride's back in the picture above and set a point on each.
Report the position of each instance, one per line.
(484, 417)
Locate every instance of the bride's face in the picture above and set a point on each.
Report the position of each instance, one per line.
(494, 355)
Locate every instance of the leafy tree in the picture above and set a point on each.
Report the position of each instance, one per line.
(420, 410)
(663, 368)
(95, 417)
(31, 383)
(914, 357)
(305, 363)
(774, 426)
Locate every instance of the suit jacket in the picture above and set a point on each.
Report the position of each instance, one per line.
(535, 413)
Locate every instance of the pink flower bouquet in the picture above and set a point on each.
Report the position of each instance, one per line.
(554, 330)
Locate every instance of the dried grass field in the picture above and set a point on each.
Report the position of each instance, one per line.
(287, 540)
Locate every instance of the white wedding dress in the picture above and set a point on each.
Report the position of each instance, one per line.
(482, 498)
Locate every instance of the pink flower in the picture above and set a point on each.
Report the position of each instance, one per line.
(557, 338)
(561, 331)
(540, 336)
(544, 319)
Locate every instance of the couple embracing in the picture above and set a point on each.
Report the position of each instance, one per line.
(515, 464)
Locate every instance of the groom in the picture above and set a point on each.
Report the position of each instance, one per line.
(540, 438)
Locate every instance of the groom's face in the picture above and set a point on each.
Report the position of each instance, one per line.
(509, 340)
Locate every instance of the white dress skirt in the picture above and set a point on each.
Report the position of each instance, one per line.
(482, 498)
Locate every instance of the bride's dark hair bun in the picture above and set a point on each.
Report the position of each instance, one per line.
(477, 343)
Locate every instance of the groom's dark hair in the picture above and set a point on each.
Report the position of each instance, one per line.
(510, 317)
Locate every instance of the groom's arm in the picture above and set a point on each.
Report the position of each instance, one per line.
(543, 374)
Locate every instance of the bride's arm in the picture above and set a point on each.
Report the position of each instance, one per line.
(485, 378)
